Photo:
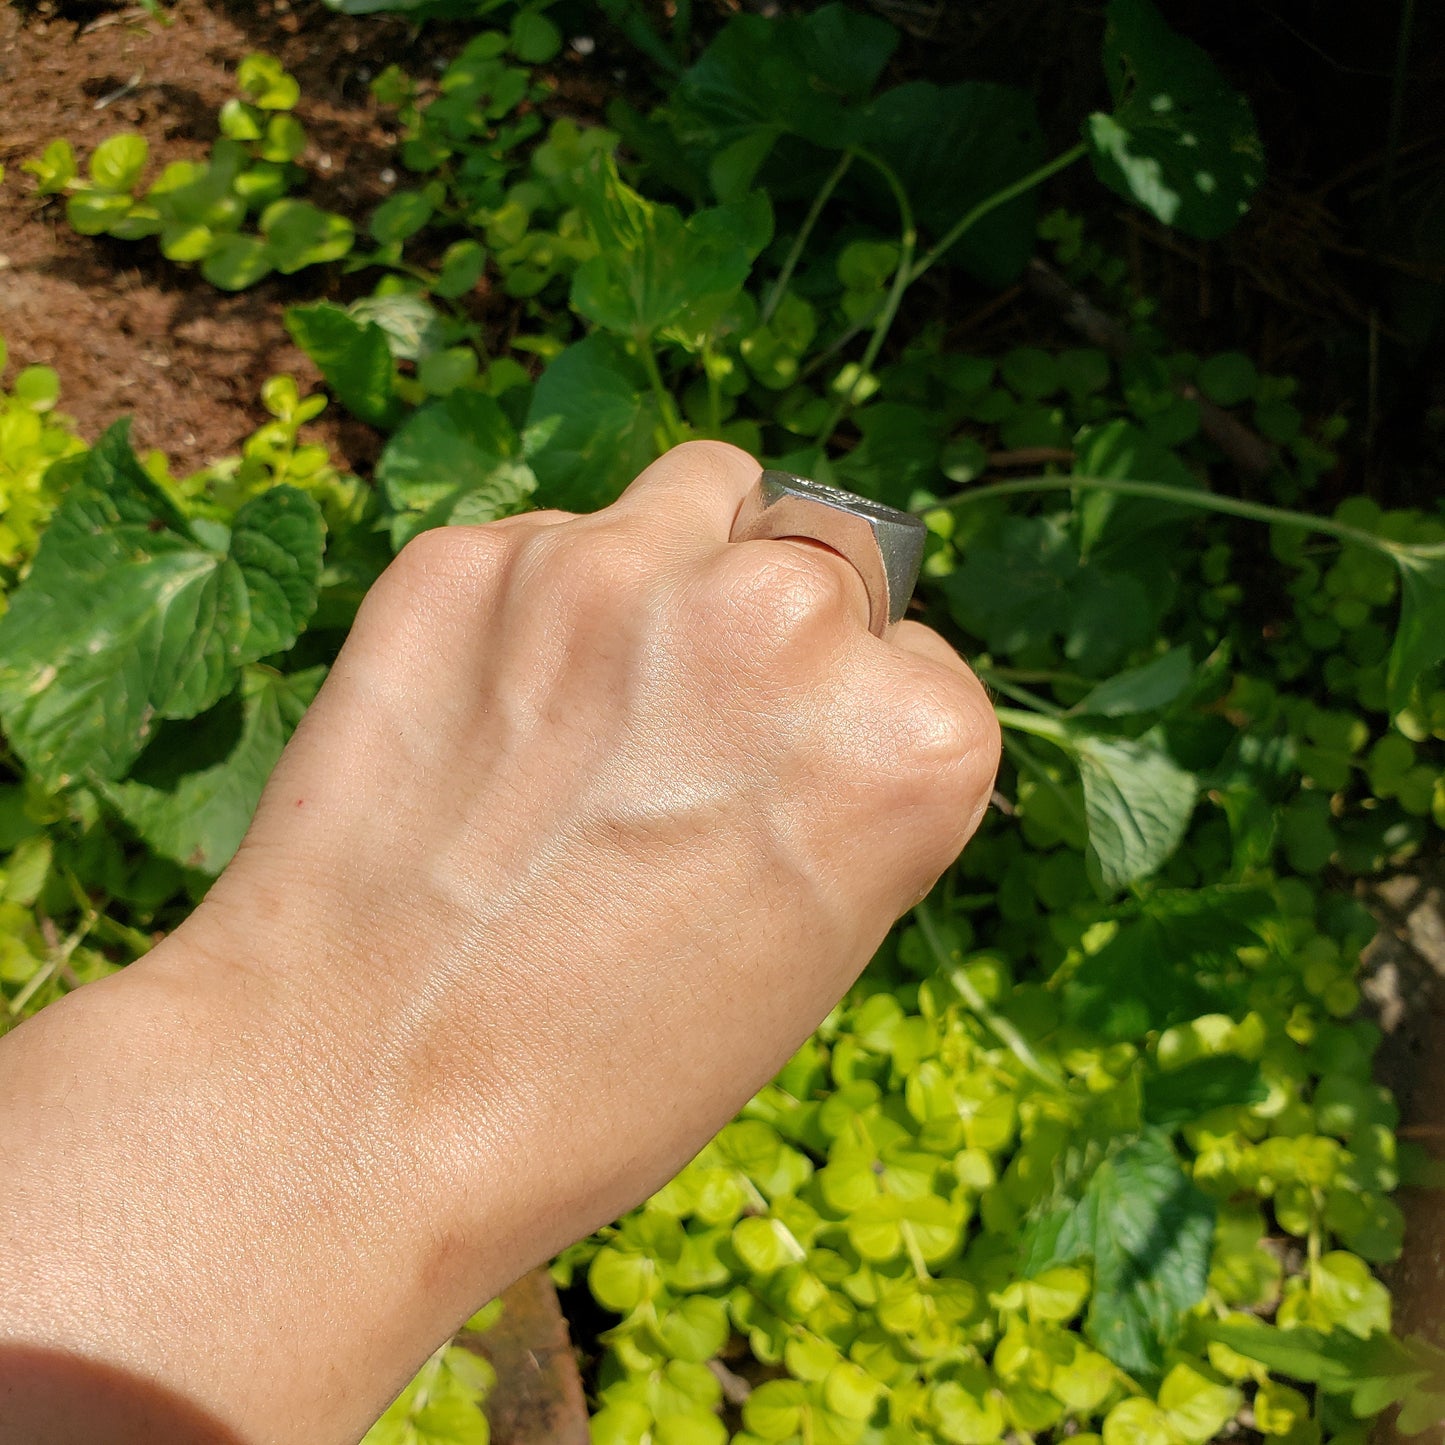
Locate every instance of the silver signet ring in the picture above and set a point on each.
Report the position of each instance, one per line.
(885, 546)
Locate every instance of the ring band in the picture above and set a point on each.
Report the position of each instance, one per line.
(885, 546)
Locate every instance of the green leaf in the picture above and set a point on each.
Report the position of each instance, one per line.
(443, 372)
(413, 326)
(775, 1409)
(234, 262)
(283, 140)
(968, 1409)
(762, 78)
(299, 234)
(462, 265)
(194, 803)
(1180, 142)
(621, 1278)
(592, 426)
(353, 356)
(239, 121)
(535, 39)
(457, 460)
(653, 269)
(126, 619)
(1198, 1406)
(1420, 638)
(54, 168)
(1375, 1372)
(1148, 1231)
(400, 216)
(1021, 581)
(265, 83)
(1229, 378)
(1344, 1292)
(1189, 1092)
(116, 163)
(441, 1406)
(1137, 801)
(953, 147)
(1141, 689)
(93, 213)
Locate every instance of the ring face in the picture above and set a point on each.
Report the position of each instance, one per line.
(884, 545)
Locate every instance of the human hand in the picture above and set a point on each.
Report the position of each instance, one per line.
(593, 821)
(612, 811)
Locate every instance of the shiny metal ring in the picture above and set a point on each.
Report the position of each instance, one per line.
(885, 546)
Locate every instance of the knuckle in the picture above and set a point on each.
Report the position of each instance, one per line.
(589, 566)
(949, 739)
(444, 563)
(772, 596)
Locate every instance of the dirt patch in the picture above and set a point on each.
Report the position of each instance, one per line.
(1404, 983)
(128, 331)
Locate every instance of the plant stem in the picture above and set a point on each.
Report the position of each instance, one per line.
(671, 421)
(908, 272)
(902, 278)
(991, 203)
(1012, 689)
(1192, 497)
(1051, 729)
(979, 1006)
(810, 222)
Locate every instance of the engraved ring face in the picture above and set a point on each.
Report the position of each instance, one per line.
(885, 546)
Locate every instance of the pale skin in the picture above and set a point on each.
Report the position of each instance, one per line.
(593, 821)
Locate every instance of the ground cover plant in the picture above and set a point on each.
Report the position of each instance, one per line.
(1094, 1147)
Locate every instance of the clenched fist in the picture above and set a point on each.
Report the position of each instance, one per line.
(593, 821)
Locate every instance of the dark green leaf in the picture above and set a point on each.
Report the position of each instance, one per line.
(1148, 1231)
(1180, 142)
(195, 802)
(1376, 1372)
(592, 426)
(954, 146)
(761, 78)
(400, 216)
(535, 39)
(457, 460)
(1022, 583)
(1142, 689)
(1420, 638)
(462, 265)
(1186, 1093)
(353, 356)
(126, 619)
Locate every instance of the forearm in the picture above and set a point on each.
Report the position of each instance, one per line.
(220, 1189)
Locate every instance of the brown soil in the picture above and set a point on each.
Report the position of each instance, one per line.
(128, 331)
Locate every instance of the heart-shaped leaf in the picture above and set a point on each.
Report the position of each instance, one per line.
(128, 618)
(1180, 141)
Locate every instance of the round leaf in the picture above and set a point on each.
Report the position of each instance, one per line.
(235, 262)
(264, 82)
(400, 216)
(535, 39)
(299, 234)
(117, 163)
